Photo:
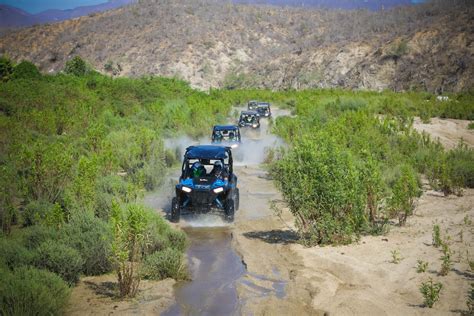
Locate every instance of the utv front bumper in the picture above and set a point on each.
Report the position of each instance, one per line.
(202, 200)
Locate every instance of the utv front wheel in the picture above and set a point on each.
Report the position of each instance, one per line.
(229, 210)
(175, 211)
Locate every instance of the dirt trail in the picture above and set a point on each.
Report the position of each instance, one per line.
(448, 131)
(255, 266)
(263, 241)
(268, 281)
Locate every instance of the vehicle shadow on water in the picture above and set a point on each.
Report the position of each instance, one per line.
(275, 236)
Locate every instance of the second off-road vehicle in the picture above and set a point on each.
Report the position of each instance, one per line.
(249, 119)
(226, 135)
(263, 108)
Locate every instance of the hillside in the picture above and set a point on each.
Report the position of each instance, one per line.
(426, 47)
(339, 4)
(11, 17)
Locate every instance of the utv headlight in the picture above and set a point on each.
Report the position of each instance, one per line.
(254, 125)
(234, 145)
(218, 190)
(186, 189)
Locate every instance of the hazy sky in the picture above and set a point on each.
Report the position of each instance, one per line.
(35, 6)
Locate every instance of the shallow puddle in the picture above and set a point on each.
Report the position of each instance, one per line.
(215, 269)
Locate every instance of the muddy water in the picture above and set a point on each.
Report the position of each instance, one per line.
(215, 269)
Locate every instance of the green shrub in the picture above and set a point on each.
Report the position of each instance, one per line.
(60, 259)
(13, 254)
(76, 66)
(26, 70)
(421, 266)
(396, 256)
(92, 238)
(31, 237)
(37, 212)
(446, 261)
(471, 125)
(404, 192)
(321, 184)
(29, 291)
(430, 292)
(371, 179)
(167, 263)
(461, 166)
(177, 240)
(6, 68)
(129, 243)
(436, 236)
(84, 183)
(162, 236)
(10, 191)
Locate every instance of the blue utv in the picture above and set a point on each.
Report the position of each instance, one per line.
(249, 119)
(263, 108)
(227, 135)
(207, 183)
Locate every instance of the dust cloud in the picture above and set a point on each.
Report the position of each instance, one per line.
(254, 147)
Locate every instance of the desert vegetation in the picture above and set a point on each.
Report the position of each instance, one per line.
(354, 161)
(79, 149)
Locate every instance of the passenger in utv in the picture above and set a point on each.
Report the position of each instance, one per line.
(198, 170)
(218, 170)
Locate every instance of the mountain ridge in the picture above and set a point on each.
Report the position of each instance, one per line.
(426, 47)
(11, 17)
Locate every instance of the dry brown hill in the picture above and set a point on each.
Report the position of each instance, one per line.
(214, 43)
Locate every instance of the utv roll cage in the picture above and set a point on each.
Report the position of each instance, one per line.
(226, 133)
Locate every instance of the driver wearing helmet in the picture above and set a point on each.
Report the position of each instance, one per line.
(198, 170)
(218, 136)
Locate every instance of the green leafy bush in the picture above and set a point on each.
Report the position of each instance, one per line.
(42, 212)
(167, 263)
(461, 166)
(76, 66)
(436, 236)
(396, 256)
(421, 266)
(32, 236)
(13, 254)
(430, 291)
(60, 259)
(162, 236)
(321, 184)
(26, 70)
(177, 239)
(130, 237)
(6, 68)
(446, 261)
(9, 192)
(29, 291)
(404, 192)
(92, 239)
